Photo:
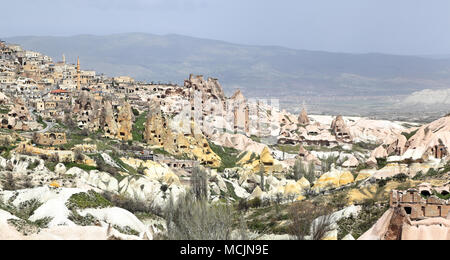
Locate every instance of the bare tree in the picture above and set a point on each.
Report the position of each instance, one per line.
(199, 182)
(310, 173)
(327, 162)
(261, 175)
(299, 169)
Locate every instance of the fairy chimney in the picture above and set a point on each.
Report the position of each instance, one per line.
(303, 118)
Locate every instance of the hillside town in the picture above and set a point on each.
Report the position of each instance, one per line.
(88, 156)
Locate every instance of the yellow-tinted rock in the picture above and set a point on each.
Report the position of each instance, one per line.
(292, 189)
(153, 170)
(55, 185)
(362, 176)
(333, 179)
(266, 157)
(246, 158)
(170, 178)
(304, 183)
(346, 178)
(90, 162)
(257, 193)
(158, 132)
(332, 235)
(300, 198)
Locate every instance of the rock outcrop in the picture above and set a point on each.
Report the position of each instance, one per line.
(209, 88)
(160, 132)
(94, 113)
(303, 118)
(340, 129)
(333, 179)
(429, 141)
(56, 209)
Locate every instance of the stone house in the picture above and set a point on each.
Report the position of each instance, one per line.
(420, 204)
(49, 139)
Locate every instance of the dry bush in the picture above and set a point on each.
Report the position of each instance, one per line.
(132, 205)
(78, 155)
(9, 182)
(53, 158)
(302, 216)
(104, 167)
(193, 219)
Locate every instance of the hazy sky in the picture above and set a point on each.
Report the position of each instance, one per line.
(388, 26)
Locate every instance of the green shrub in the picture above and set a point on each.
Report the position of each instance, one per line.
(381, 162)
(401, 177)
(255, 203)
(409, 135)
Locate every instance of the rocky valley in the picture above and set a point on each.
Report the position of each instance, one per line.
(88, 156)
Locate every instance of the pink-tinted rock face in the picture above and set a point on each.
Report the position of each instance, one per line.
(303, 118)
(340, 129)
(398, 146)
(380, 228)
(378, 153)
(430, 140)
(427, 229)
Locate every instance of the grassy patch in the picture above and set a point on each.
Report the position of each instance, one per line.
(41, 121)
(5, 151)
(126, 230)
(161, 151)
(409, 135)
(139, 128)
(50, 165)
(84, 167)
(4, 110)
(255, 138)
(269, 219)
(443, 197)
(26, 227)
(381, 163)
(231, 192)
(87, 220)
(125, 166)
(24, 211)
(363, 147)
(33, 165)
(84, 200)
(291, 149)
(228, 155)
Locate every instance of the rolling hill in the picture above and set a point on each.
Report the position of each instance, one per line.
(259, 71)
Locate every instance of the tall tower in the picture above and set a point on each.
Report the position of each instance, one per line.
(64, 59)
(78, 75)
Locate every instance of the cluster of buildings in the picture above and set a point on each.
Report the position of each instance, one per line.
(58, 91)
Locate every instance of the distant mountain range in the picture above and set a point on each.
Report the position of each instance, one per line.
(259, 71)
